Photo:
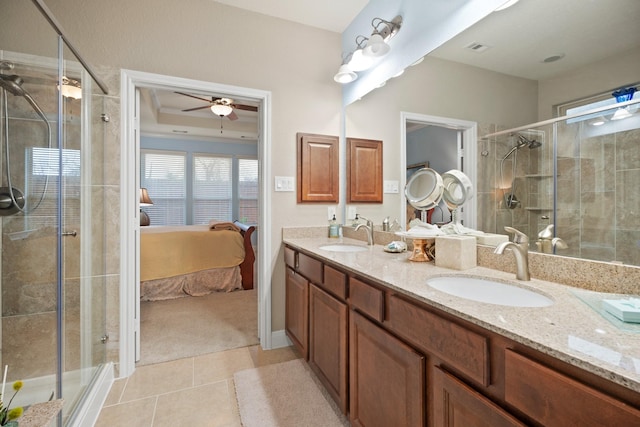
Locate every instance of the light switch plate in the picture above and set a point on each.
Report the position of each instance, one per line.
(284, 183)
(391, 186)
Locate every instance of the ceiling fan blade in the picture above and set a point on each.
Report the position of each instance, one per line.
(193, 96)
(245, 107)
(232, 116)
(197, 108)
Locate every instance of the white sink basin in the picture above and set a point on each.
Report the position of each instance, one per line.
(488, 291)
(339, 247)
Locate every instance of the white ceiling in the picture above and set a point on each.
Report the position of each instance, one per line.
(332, 15)
(520, 38)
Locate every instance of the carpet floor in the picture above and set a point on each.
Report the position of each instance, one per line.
(192, 326)
(285, 395)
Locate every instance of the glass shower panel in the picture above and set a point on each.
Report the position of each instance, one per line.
(28, 277)
(83, 304)
(597, 191)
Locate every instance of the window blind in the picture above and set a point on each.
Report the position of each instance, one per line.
(248, 191)
(164, 177)
(212, 188)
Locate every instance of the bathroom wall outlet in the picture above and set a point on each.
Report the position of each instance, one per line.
(351, 212)
(331, 211)
(391, 186)
(284, 183)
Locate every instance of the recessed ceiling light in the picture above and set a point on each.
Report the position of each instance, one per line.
(553, 58)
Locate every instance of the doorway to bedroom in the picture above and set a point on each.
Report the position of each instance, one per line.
(198, 167)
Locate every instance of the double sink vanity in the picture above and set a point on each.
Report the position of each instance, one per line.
(399, 343)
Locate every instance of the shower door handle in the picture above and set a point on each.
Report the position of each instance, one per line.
(70, 233)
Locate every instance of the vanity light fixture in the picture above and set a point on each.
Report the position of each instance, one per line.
(359, 60)
(345, 74)
(368, 49)
(383, 31)
(71, 88)
(598, 121)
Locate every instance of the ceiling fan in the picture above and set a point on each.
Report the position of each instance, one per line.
(222, 107)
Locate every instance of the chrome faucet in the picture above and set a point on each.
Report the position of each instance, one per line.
(368, 227)
(520, 248)
(546, 243)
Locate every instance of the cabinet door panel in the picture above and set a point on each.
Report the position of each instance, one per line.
(328, 343)
(364, 170)
(297, 311)
(458, 405)
(318, 168)
(387, 378)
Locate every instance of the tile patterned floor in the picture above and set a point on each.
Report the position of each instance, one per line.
(196, 391)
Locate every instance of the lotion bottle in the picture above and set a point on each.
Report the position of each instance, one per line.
(334, 228)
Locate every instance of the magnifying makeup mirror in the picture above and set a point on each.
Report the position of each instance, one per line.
(424, 190)
(457, 189)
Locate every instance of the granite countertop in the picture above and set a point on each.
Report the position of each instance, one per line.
(570, 329)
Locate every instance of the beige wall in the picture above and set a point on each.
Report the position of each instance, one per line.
(204, 40)
(439, 88)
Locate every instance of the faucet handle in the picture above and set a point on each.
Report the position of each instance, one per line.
(518, 236)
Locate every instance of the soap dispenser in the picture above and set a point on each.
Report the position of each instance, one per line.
(334, 228)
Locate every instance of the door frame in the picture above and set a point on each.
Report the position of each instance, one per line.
(130, 81)
(469, 153)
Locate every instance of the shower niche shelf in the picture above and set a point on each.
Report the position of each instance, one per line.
(537, 208)
(537, 175)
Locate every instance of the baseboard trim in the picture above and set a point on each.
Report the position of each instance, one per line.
(279, 339)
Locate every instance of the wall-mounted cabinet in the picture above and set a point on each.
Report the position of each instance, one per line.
(364, 171)
(318, 168)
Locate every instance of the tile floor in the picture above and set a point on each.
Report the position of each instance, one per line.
(195, 391)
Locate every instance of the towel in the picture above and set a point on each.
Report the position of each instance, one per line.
(222, 225)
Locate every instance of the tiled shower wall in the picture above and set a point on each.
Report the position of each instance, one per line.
(597, 193)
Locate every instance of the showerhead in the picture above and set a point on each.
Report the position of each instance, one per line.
(12, 84)
(523, 141)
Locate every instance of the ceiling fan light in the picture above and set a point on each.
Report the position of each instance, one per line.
(376, 46)
(359, 61)
(221, 109)
(345, 75)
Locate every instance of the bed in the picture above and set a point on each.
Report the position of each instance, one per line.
(195, 260)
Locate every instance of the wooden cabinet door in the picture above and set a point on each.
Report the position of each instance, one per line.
(364, 170)
(297, 311)
(318, 168)
(328, 343)
(387, 378)
(455, 404)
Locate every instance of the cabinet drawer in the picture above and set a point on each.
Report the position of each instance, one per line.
(461, 349)
(335, 282)
(310, 268)
(290, 257)
(553, 399)
(366, 299)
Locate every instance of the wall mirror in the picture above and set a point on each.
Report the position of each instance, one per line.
(516, 67)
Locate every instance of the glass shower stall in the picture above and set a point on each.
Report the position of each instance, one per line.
(570, 183)
(52, 265)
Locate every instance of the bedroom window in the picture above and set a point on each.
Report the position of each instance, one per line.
(248, 191)
(43, 163)
(163, 174)
(212, 188)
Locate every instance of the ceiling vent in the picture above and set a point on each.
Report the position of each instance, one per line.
(477, 47)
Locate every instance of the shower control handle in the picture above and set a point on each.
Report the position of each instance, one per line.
(73, 233)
